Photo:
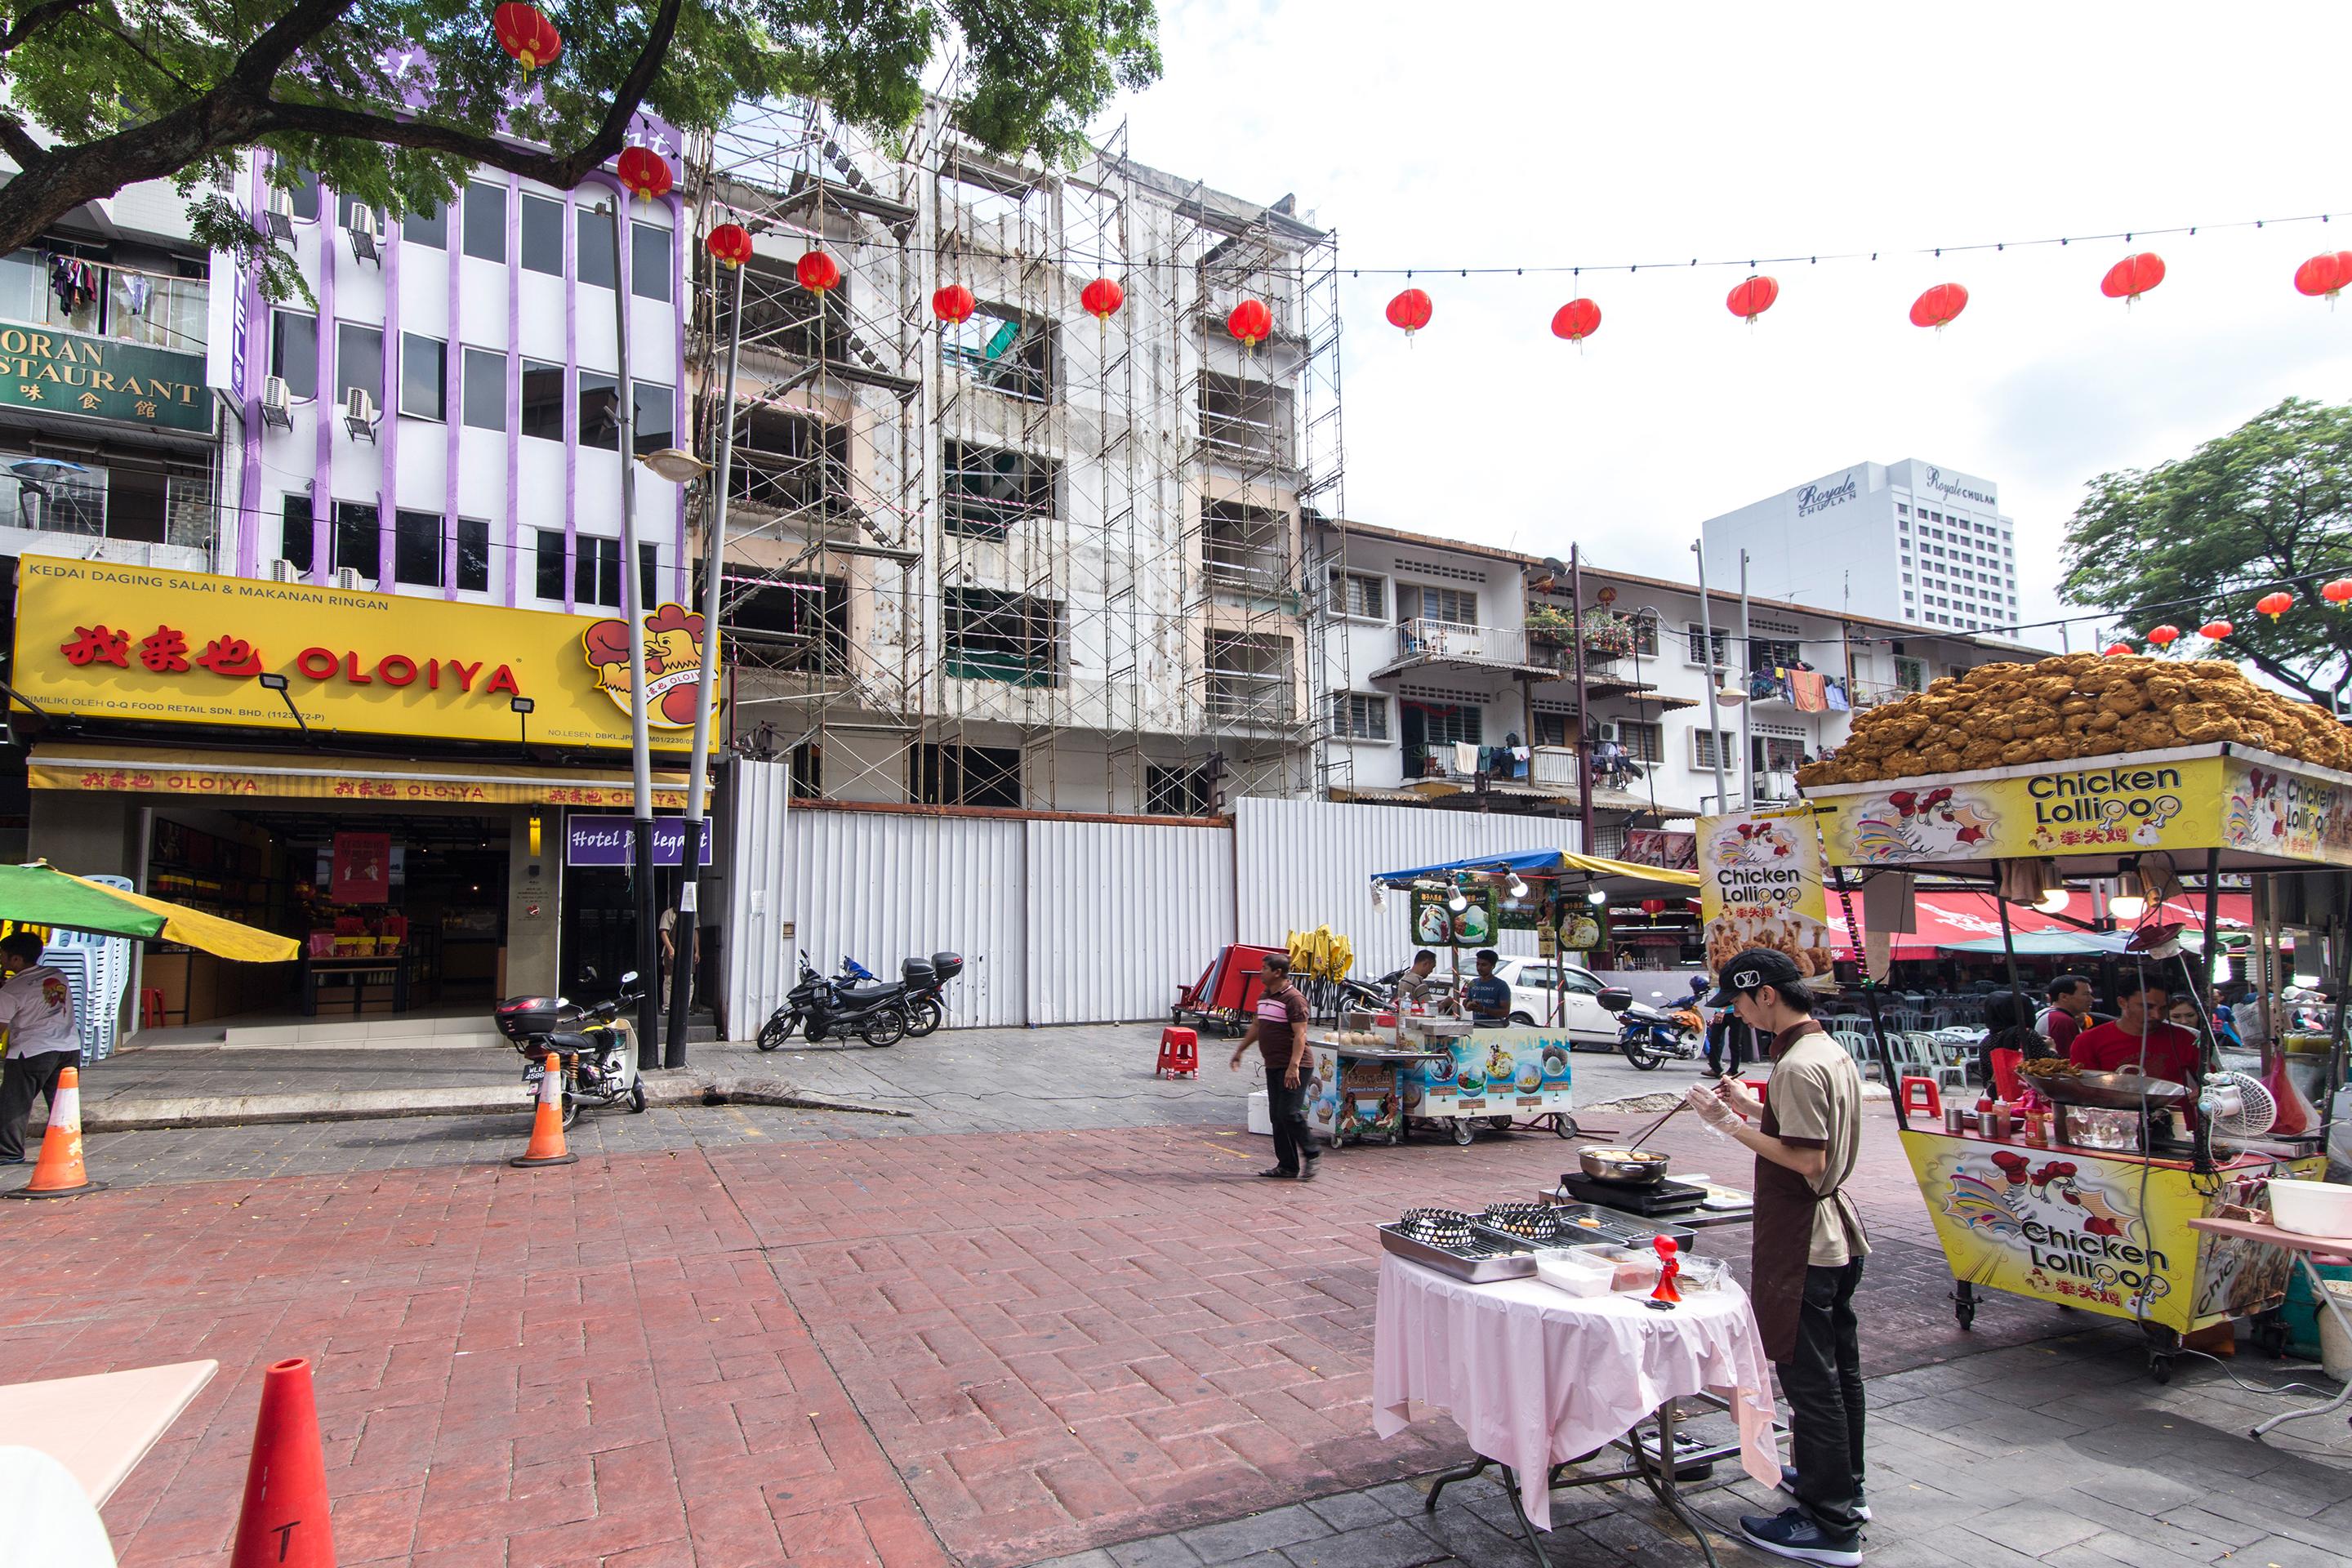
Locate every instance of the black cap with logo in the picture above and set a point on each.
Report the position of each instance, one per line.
(1757, 967)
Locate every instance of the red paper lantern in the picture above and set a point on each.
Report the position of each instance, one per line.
(2274, 605)
(2214, 631)
(1753, 298)
(1102, 298)
(953, 304)
(1653, 908)
(731, 243)
(644, 173)
(1939, 306)
(526, 33)
(2327, 273)
(2133, 276)
(2338, 592)
(817, 271)
(1408, 311)
(2117, 649)
(1251, 321)
(1576, 320)
(2163, 636)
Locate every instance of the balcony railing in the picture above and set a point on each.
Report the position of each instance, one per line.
(1421, 639)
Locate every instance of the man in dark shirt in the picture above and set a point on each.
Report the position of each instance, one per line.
(1279, 1032)
(1488, 997)
(2068, 1013)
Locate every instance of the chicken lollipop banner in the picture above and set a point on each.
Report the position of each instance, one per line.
(1760, 880)
(674, 655)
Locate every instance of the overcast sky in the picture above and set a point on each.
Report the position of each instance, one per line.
(1484, 134)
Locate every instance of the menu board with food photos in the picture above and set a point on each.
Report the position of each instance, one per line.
(1435, 925)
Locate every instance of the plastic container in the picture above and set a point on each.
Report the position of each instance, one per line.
(2311, 1208)
(1574, 1270)
(1629, 1269)
(1261, 1119)
(1701, 1273)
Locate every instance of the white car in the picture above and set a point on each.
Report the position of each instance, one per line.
(1535, 983)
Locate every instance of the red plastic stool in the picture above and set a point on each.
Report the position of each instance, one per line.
(151, 1008)
(1919, 1095)
(1757, 1086)
(1180, 1053)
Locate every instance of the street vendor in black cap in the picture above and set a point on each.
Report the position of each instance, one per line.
(1808, 1247)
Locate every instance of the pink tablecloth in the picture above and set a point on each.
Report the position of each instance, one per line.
(1536, 1377)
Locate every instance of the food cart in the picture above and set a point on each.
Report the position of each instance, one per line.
(2086, 1203)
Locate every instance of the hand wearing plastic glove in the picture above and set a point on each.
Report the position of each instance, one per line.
(1739, 1096)
(1711, 1108)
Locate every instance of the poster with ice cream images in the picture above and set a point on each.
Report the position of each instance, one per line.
(1760, 877)
(1518, 1073)
(2064, 1225)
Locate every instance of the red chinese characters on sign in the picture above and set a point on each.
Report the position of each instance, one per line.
(98, 645)
(361, 872)
(164, 651)
(231, 656)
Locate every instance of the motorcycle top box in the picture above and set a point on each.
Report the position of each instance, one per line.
(916, 972)
(521, 1018)
(947, 964)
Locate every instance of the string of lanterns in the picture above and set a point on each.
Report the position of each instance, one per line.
(2338, 593)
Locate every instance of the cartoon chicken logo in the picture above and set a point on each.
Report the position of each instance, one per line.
(674, 655)
(1911, 824)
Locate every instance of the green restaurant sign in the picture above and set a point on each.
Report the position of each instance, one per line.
(102, 378)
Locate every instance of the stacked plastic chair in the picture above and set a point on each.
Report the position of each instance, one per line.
(96, 971)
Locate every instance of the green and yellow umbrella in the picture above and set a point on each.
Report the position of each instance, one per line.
(41, 895)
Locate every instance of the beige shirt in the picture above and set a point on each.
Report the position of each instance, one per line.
(1815, 1094)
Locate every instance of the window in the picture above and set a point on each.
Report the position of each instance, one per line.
(1645, 740)
(1447, 723)
(782, 317)
(424, 376)
(1245, 421)
(591, 259)
(1249, 678)
(1911, 674)
(1456, 606)
(1359, 718)
(789, 462)
(649, 575)
(1176, 792)
(347, 205)
(967, 775)
(416, 548)
(473, 555)
(1247, 551)
(429, 228)
(357, 532)
(542, 400)
(1772, 653)
(600, 411)
(358, 362)
(994, 635)
(656, 424)
(596, 572)
(1645, 634)
(990, 489)
(1906, 582)
(1003, 350)
(542, 235)
(1361, 595)
(780, 620)
(294, 532)
(486, 389)
(485, 222)
(306, 195)
(550, 563)
(1707, 744)
(294, 352)
(1694, 644)
(649, 263)
(1902, 511)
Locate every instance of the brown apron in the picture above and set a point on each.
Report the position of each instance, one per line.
(1780, 1238)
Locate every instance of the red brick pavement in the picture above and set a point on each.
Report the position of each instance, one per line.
(842, 1355)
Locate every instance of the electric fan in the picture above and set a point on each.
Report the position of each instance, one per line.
(2236, 1105)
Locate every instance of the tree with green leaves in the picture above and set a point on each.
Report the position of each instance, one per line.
(390, 101)
(2206, 535)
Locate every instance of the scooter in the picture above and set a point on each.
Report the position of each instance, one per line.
(1649, 1036)
(600, 1039)
(819, 1007)
(924, 979)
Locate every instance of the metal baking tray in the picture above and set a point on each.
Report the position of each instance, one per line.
(1617, 1228)
(1492, 1254)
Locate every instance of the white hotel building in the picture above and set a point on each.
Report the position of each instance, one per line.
(1909, 542)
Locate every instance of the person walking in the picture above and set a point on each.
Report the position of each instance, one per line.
(36, 1011)
(1728, 1037)
(1279, 1032)
(1808, 1245)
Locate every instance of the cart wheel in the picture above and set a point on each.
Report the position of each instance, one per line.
(1965, 1312)
(2270, 1335)
(1499, 1123)
(1462, 1132)
(1396, 1136)
(2159, 1366)
(1565, 1126)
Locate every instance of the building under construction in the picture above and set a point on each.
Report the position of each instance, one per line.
(1032, 558)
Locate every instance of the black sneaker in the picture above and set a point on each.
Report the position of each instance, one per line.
(1306, 1171)
(1794, 1534)
(1274, 1170)
(1789, 1485)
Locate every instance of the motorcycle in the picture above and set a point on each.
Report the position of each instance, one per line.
(600, 1039)
(924, 981)
(819, 1007)
(1650, 1036)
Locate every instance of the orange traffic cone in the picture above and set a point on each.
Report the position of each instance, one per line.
(284, 1520)
(547, 1123)
(60, 1174)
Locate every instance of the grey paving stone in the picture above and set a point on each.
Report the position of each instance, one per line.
(1403, 1499)
(1095, 1559)
(2109, 1549)
(1350, 1511)
(1394, 1544)
(1155, 1551)
(2209, 1532)
(2031, 1527)
(2280, 1552)
(1259, 1532)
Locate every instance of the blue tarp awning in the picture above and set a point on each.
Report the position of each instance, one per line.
(1540, 863)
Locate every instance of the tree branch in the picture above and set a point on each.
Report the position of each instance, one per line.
(36, 17)
(18, 142)
(2283, 673)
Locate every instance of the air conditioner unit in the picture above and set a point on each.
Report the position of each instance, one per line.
(359, 413)
(278, 213)
(349, 578)
(277, 403)
(367, 235)
(1606, 729)
(285, 572)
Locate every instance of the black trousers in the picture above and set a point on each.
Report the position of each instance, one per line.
(1727, 1042)
(1293, 1142)
(20, 1081)
(1823, 1385)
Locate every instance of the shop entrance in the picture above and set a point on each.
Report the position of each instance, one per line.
(397, 912)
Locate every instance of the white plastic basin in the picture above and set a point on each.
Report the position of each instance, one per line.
(2311, 1208)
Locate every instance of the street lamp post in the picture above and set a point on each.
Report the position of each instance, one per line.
(1706, 631)
(633, 609)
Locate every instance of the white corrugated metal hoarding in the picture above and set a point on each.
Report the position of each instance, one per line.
(1305, 863)
(882, 886)
(754, 844)
(1121, 915)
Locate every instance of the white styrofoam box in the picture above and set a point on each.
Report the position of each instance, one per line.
(1260, 1120)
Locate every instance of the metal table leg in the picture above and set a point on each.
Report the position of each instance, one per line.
(2328, 1303)
(1660, 1480)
